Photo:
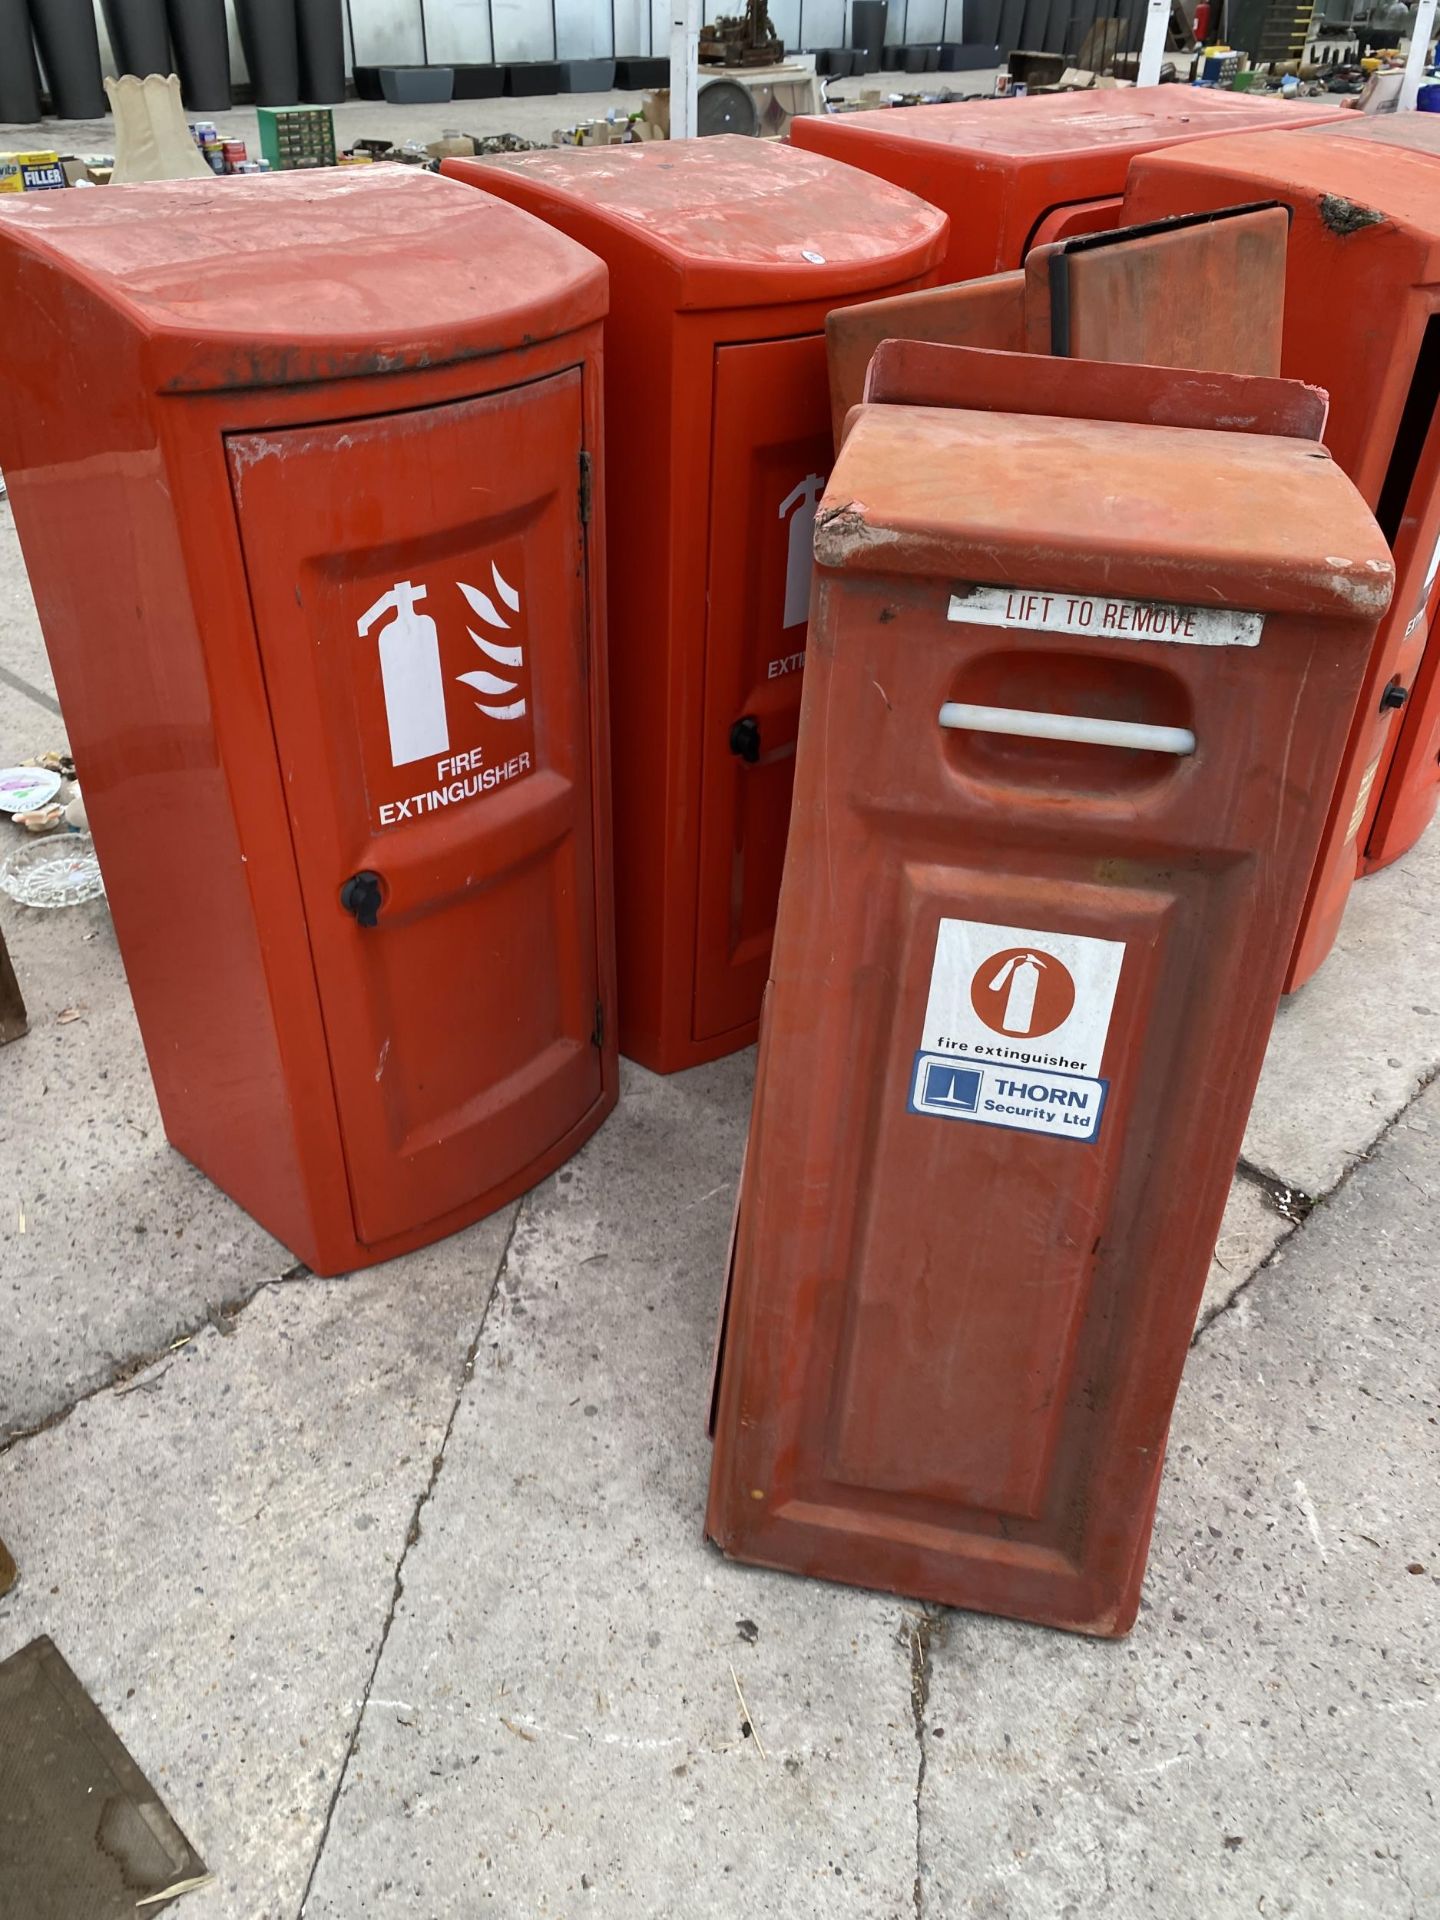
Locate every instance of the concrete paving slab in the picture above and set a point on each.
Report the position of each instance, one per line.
(1265, 1741)
(554, 1727)
(111, 1244)
(27, 728)
(29, 710)
(1250, 1232)
(214, 1551)
(1350, 1049)
(124, 1245)
(18, 620)
(22, 651)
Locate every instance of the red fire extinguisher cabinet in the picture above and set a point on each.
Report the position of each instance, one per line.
(1013, 174)
(1361, 319)
(725, 256)
(300, 471)
(1076, 693)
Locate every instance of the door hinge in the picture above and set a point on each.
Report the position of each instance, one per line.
(584, 489)
(597, 1038)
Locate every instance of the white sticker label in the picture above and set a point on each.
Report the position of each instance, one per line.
(1104, 616)
(1015, 1028)
(429, 709)
(1430, 574)
(1362, 800)
(800, 503)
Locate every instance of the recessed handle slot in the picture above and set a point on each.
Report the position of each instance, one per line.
(1080, 728)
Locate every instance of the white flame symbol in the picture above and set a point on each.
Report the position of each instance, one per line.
(484, 607)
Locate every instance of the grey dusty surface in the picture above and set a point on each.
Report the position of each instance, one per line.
(394, 1584)
(533, 118)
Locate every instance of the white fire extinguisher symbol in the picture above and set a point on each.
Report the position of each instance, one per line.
(800, 554)
(1024, 978)
(410, 675)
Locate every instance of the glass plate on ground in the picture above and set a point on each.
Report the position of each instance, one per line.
(56, 870)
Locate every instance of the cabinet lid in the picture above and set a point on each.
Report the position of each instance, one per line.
(1202, 517)
(729, 222)
(1043, 126)
(276, 279)
(1365, 178)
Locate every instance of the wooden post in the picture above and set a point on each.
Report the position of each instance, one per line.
(13, 1021)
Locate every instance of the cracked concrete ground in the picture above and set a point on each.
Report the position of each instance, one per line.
(394, 1584)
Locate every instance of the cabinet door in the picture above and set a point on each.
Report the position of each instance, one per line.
(771, 457)
(418, 586)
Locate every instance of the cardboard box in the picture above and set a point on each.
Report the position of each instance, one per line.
(85, 172)
(30, 172)
(655, 115)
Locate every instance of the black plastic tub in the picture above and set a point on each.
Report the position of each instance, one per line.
(202, 54)
(322, 51)
(587, 76)
(965, 59)
(637, 71)
(19, 75)
(271, 39)
(479, 83)
(139, 36)
(524, 78)
(70, 49)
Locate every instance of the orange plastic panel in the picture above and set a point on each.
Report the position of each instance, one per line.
(1417, 131)
(261, 435)
(725, 255)
(1362, 319)
(917, 373)
(990, 1147)
(974, 313)
(1090, 216)
(1002, 169)
(1204, 292)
